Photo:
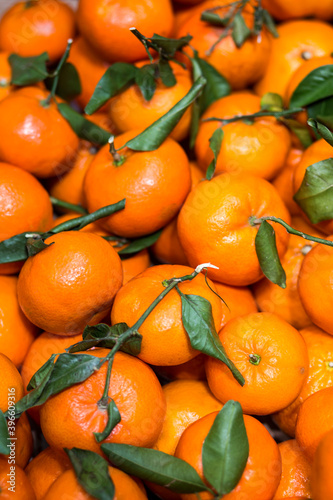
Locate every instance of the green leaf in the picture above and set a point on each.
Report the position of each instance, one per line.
(214, 19)
(140, 244)
(106, 336)
(226, 449)
(216, 85)
(155, 466)
(166, 47)
(43, 372)
(271, 102)
(69, 84)
(92, 472)
(315, 86)
(199, 324)
(322, 130)
(28, 70)
(240, 32)
(166, 73)
(301, 131)
(269, 23)
(322, 110)
(35, 245)
(15, 248)
(145, 79)
(315, 194)
(4, 435)
(85, 129)
(215, 143)
(153, 136)
(268, 256)
(113, 419)
(116, 78)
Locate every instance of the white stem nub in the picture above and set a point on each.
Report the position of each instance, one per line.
(200, 267)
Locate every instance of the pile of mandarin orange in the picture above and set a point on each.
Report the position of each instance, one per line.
(224, 337)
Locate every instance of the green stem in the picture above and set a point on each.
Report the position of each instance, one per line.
(254, 221)
(275, 114)
(117, 158)
(56, 74)
(70, 206)
(143, 40)
(80, 222)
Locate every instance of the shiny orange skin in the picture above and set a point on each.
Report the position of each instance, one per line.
(23, 488)
(286, 302)
(126, 488)
(187, 401)
(190, 370)
(214, 225)
(24, 443)
(237, 301)
(41, 27)
(105, 25)
(154, 183)
(243, 66)
(165, 341)
(304, 70)
(10, 382)
(69, 418)
(45, 468)
(320, 350)
(34, 137)
(283, 10)
(90, 66)
(315, 285)
(298, 41)
(70, 284)
(19, 211)
(284, 181)
(262, 473)
(16, 331)
(69, 187)
(258, 148)
(315, 418)
(168, 249)
(277, 378)
(129, 110)
(321, 477)
(295, 479)
(5, 75)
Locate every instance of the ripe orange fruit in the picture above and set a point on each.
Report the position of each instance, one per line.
(240, 66)
(154, 183)
(10, 382)
(45, 468)
(258, 147)
(126, 488)
(190, 370)
(304, 70)
(318, 151)
(19, 211)
(315, 418)
(90, 66)
(262, 473)
(238, 301)
(295, 479)
(284, 181)
(168, 249)
(69, 418)
(129, 110)
(315, 286)
(321, 477)
(283, 10)
(186, 402)
(286, 302)
(165, 341)
(22, 487)
(320, 350)
(70, 284)
(272, 357)
(107, 29)
(5, 75)
(298, 41)
(16, 332)
(35, 137)
(214, 225)
(29, 28)
(24, 443)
